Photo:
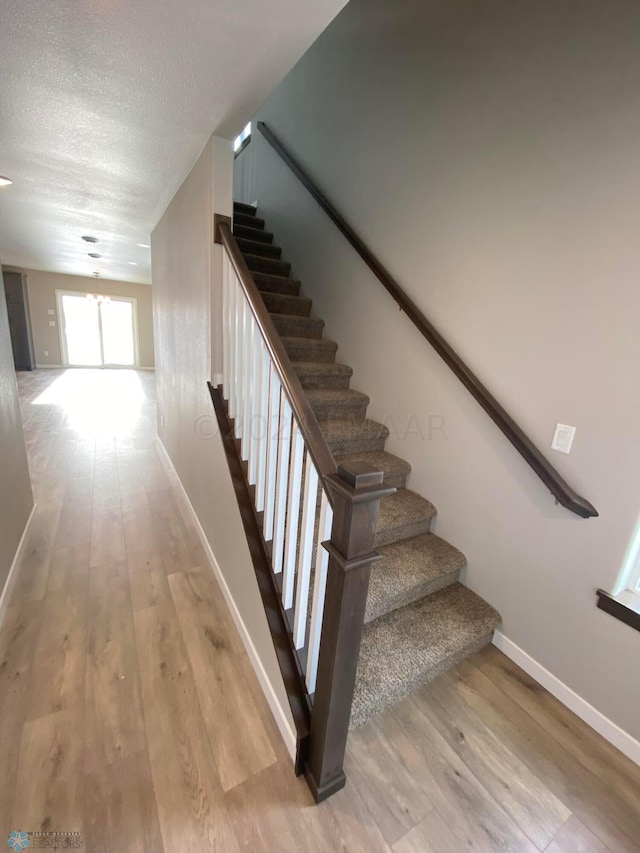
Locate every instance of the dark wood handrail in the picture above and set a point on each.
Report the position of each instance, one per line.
(313, 437)
(558, 486)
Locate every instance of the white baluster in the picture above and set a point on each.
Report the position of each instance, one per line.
(239, 320)
(293, 512)
(256, 399)
(319, 589)
(263, 443)
(273, 425)
(225, 325)
(247, 374)
(305, 551)
(284, 448)
(232, 331)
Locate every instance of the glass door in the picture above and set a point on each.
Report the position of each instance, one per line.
(97, 331)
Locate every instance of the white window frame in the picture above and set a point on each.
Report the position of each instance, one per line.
(63, 338)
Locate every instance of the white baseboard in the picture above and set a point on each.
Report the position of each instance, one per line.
(603, 725)
(286, 730)
(5, 595)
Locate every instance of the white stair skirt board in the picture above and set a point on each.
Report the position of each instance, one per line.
(5, 594)
(285, 727)
(609, 730)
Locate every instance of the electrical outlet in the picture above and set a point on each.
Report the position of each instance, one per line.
(563, 438)
(46, 352)
(52, 322)
(161, 420)
(51, 311)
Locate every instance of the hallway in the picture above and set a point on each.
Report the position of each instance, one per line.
(131, 714)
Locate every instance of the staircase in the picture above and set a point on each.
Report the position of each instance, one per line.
(420, 620)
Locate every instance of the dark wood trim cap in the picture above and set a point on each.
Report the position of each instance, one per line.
(621, 607)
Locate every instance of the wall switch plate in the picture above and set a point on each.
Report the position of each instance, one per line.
(52, 322)
(51, 311)
(161, 420)
(563, 438)
(46, 352)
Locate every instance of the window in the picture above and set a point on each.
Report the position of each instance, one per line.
(241, 142)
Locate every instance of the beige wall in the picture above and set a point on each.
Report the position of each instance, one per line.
(16, 499)
(42, 288)
(488, 153)
(183, 267)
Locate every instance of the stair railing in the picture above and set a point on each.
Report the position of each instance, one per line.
(556, 484)
(310, 524)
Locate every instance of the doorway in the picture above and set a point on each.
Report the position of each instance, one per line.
(97, 330)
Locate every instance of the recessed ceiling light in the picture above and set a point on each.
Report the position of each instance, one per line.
(90, 239)
(94, 255)
(143, 245)
(5, 182)
(133, 263)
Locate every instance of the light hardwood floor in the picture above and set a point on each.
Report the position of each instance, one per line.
(131, 713)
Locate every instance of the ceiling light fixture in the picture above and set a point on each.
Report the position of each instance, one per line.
(94, 255)
(133, 263)
(5, 182)
(97, 274)
(143, 245)
(90, 239)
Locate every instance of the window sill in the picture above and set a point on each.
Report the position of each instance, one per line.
(625, 606)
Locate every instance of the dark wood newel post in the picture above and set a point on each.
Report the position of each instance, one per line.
(356, 490)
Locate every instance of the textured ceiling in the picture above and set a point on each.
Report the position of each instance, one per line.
(105, 105)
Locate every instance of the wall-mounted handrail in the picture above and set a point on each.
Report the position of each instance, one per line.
(303, 413)
(558, 486)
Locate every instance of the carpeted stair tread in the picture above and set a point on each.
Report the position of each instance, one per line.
(337, 403)
(309, 349)
(353, 436)
(410, 570)
(411, 646)
(267, 283)
(322, 374)
(258, 247)
(281, 303)
(271, 265)
(255, 234)
(247, 220)
(243, 207)
(395, 470)
(298, 327)
(402, 516)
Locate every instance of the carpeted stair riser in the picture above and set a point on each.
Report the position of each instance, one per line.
(248, 221)
(342, 405)
(243, 207)
(312, 375)
(256, 234)
(276, 284)
(280, 303)
(402, 516)
(410, 570)
(269, 265)
(306, 349)
(298, 327)
(254, 247)
(409, 647)
(354, 436)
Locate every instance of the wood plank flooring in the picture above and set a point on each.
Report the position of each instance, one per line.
(130, 711)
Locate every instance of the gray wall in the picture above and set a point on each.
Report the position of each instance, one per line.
(184, 268)
(488, 152)
(16, 499)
